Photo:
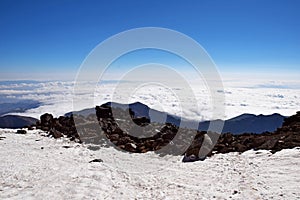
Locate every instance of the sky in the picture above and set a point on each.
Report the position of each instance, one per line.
(51, 39)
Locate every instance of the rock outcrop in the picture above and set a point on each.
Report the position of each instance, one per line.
(137, 134)
(288, 136)
(58, 127)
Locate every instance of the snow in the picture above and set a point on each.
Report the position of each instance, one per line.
(37, 167)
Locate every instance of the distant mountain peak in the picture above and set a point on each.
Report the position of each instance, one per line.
(245, 123)
(16, 121)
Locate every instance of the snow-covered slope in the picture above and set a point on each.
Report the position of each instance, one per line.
(38, 167)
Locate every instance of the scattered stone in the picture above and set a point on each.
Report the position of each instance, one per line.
(93, 148)
(30, 128)
(20, 131)
(193, 158)
(96, 160)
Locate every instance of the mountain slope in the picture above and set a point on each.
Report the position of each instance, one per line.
(249, 123)
(15, 121)
(11, 105)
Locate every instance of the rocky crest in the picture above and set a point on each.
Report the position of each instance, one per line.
(137, 134)
(58, 127)
(288, 136)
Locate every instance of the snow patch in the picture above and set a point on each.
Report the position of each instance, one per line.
(53, 172)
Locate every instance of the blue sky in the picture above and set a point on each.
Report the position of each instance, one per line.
(39, 38)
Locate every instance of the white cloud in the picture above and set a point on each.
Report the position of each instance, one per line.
(241, 96)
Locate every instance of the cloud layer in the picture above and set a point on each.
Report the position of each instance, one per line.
(56, 97)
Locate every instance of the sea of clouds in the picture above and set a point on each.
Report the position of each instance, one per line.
(241, 96)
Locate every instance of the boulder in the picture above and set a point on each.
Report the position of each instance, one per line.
(46, 119)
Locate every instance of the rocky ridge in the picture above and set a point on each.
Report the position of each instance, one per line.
(139, 135)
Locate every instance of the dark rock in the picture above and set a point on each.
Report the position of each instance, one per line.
(45, 128)
(269, 144)
(114, 137)
(93, 148)
(168, 136)
(103, 112)
(124, 140)
(56, 134)
(141, 121)
(96, 160)
(46, 119)
(193, 158)
(130, 147)
(194, 148)
(240, 148)
(20, 131)
(149, 143)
